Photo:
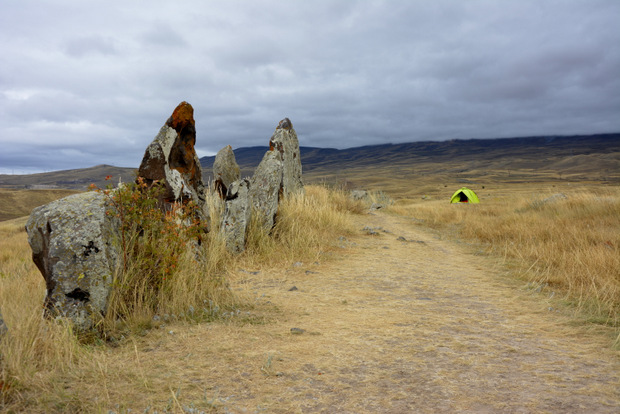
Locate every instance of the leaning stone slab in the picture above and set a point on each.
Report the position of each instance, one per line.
(236, 216)
(284, 140)
(266, 189)
(225, 170)
(3, 328)
(73, 245)
(172, 157)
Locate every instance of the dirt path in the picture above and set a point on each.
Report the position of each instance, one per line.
(413, 326)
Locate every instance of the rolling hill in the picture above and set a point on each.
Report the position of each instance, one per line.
(581, 158)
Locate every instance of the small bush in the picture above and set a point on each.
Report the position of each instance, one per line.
(170, 263)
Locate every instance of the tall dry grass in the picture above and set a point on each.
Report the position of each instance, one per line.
(33, 345)
(42, 362)
(570, 245)
(305, 226)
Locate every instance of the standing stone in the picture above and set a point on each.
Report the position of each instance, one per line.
(266, 189)
(225, 170)
(172, 157)
(236, 216)
(72, 242)
(3, 328)
(284, 140)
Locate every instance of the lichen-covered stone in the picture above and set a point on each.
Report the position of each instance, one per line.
(3, 327)
(284, 140)
(359, 195)
(236, 216)
(225, 170)
(172, 157)
(73, 245)
(266, 189)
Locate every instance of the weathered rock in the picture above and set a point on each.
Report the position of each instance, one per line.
(549, 200)
(3, 328)
(172, 157)
(284, 140)
(225, 170)
(72, 241)
(236, 216)
(266, 189)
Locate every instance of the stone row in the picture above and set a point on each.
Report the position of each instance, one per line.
(74, 239)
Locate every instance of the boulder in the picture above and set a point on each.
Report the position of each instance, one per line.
(225, 170)
(172, 157)
(266, 189)
(538, 204)
(236, 216)
(284, 140)
(73, 245)
(3, 328)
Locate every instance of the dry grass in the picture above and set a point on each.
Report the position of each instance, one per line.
(19, 203)
(388, 327)
(570, 246)
(43, 364)
(33, 345)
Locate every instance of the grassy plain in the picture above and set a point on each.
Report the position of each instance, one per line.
(372, 340)
(18, 203)
(569, 245)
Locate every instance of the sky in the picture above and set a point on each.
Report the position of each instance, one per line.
(84, 83)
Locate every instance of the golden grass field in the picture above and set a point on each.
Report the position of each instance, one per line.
(506, 306)
(19, 203)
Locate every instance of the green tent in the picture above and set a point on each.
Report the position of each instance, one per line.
(464, 195)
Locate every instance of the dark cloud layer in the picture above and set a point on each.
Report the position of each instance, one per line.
(87, 83)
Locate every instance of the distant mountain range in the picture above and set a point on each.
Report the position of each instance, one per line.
(591, 155)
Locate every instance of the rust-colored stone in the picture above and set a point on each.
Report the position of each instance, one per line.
(182, 116)
(172, 157)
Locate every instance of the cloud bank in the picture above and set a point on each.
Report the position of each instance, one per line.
(87, 83)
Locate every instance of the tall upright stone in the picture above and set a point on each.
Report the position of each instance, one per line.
(284, 140)
(236, 216)
(172, 157)
(266, 188)
(225, 170)
(73, 245)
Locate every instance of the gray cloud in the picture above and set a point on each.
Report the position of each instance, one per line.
(93, 44)
(86, 84)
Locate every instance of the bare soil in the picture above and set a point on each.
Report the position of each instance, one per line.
(423, 325)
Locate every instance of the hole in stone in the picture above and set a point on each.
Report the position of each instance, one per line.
(79, 294)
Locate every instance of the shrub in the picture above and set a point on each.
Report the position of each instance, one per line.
(169, 265)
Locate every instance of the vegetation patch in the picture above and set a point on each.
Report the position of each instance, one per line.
(172, 273)
(567, 243)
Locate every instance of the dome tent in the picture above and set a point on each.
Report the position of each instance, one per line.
(464, 195)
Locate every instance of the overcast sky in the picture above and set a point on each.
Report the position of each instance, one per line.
(84, 83)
